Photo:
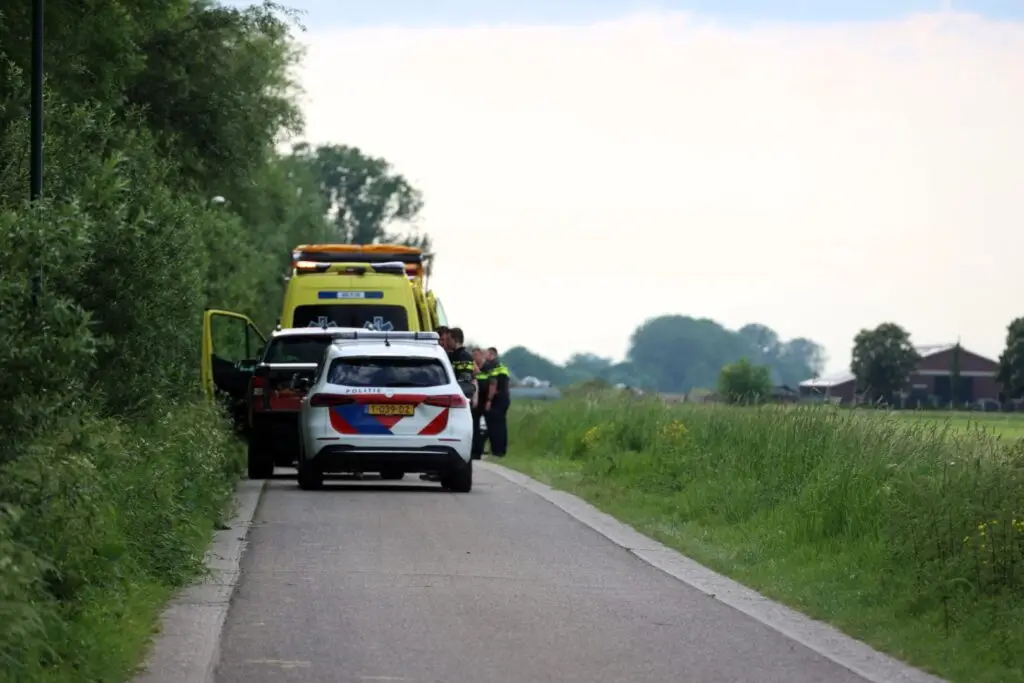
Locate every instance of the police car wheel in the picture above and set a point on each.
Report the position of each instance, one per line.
(459, 480)
(260, 461)
(310, 477)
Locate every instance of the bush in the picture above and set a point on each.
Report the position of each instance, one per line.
(744, 382)
(98, 516)
(113, 470)
(908, 535)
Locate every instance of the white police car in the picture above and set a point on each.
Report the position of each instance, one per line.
(386, 402)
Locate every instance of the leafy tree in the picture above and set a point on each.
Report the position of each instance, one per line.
(683, 353)
(882, 361)
(798, 359)
(744, 382)
(152, 108)
(677, 354)
(364, 195)
(584, 366)
(1011, 361)
(763, 342)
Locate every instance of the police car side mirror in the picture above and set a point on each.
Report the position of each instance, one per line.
(467, 389)
(303, 383)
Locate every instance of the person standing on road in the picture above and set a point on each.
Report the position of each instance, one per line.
(485, 388)
(497, 403)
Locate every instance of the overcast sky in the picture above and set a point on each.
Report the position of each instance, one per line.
(588, 164)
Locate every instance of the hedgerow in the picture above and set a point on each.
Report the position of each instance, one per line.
(114, 469)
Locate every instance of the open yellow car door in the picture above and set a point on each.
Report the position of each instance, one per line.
(232, 347)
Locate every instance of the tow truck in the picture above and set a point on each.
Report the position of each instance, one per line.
(263, 395)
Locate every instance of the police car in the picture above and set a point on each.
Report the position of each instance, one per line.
(386, 402)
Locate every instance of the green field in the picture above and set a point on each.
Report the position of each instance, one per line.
(905, 530)
(1009, 425)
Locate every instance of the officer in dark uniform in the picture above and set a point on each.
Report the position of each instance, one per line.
(497, 404)
(462, 360)
(485, 389)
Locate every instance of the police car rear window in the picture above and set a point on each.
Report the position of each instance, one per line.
(368, 316)
(369, 371)
(296, 350)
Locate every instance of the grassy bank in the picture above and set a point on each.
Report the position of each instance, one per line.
(99, 525)
(908, 534)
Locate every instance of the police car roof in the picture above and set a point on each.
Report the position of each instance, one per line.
(312, 331)
(394, 348)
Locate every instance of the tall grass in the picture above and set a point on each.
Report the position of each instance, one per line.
(910, 534)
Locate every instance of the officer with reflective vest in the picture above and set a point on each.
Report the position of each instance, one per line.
(485, 389)
(496, 404)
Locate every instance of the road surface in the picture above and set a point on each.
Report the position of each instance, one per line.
(366, 582)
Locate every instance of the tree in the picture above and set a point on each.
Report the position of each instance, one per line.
(364, 195)
(744, 382)
(584, 366)
(763, 341)
(798, 359)
(882, 361)
(1011, 361)
(682, 353)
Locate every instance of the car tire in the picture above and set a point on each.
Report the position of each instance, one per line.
(459, 480)
(311, 477)
(392, 475)
(260, 461)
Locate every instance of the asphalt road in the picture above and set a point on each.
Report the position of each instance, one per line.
(369, 582)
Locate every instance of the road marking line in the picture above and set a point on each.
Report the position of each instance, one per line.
(283, 663)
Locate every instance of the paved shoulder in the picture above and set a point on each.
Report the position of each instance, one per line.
(365, 582)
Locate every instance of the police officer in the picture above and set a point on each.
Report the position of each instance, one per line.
(497, 403)
(442, 337)
(484, 388)
(462, 360)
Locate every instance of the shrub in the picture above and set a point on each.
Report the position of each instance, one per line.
(113, 471)
(744, 382)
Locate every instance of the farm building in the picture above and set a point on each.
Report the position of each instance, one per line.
(929, 383)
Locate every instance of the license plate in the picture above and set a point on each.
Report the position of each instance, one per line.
(392, 409)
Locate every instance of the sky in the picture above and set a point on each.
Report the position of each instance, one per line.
(588, 165)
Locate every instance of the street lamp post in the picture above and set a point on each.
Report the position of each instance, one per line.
(36, 173)
(36, 141)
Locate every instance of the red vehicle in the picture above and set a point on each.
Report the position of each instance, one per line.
(290, 361)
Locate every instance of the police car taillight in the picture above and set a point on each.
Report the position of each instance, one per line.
(448, 401)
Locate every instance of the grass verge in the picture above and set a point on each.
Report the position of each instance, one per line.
(99, 525)
(906, 534)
